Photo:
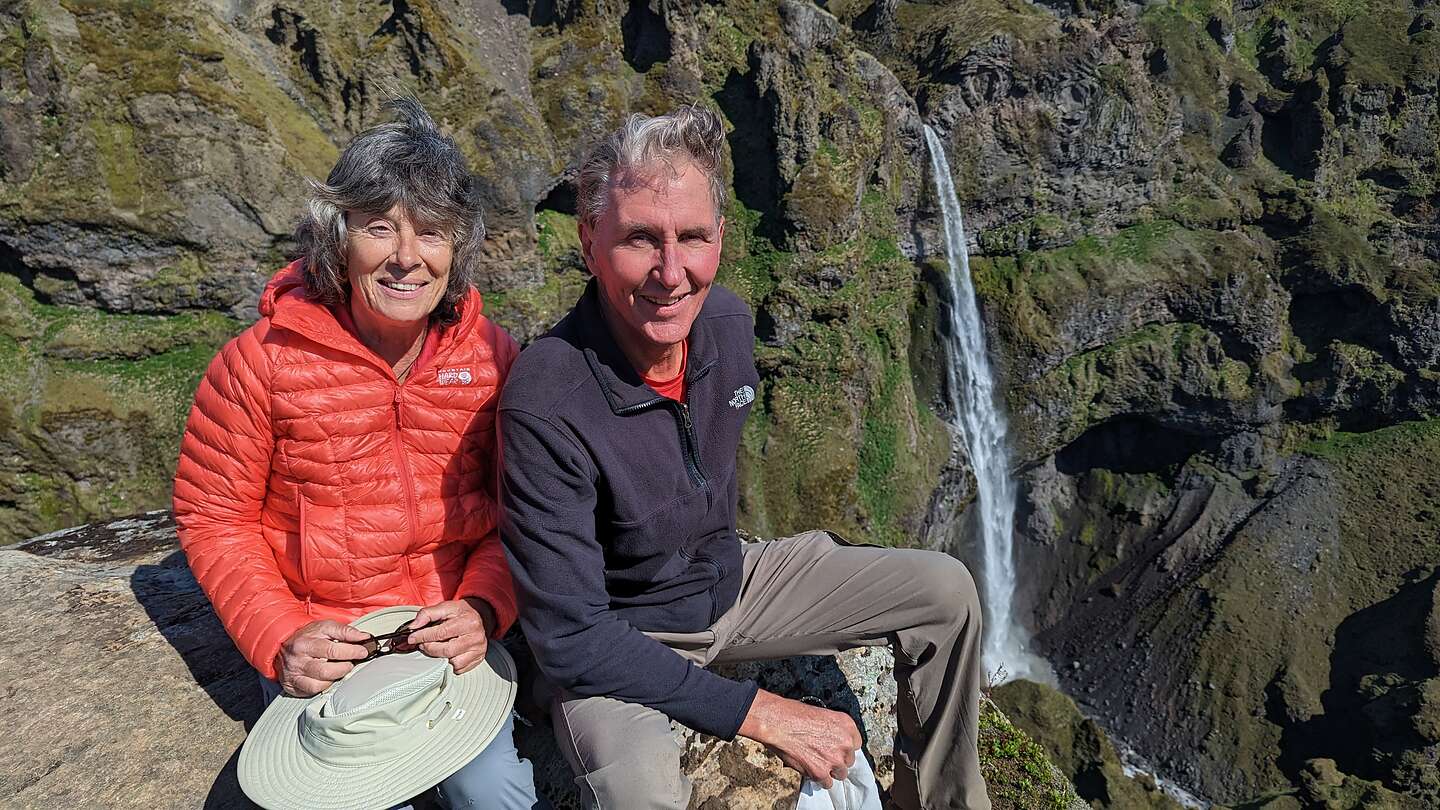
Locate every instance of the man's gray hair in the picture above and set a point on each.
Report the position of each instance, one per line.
(645, 144)
(407, 163)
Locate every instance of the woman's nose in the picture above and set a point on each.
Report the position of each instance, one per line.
(407, 248)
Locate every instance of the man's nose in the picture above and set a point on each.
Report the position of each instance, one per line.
(672, 265)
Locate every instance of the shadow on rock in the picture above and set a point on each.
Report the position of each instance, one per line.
(225, 793)
(1377, 670)
(183, 616)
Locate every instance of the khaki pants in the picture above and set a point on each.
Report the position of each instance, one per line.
(806, 595)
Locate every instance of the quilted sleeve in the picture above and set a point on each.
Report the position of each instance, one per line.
(220, 486)
(487, 573)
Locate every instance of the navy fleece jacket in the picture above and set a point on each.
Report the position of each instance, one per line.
(619, 509)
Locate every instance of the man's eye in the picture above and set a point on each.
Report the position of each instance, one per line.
(641, 238)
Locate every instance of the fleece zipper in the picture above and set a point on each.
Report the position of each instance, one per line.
(692, 445)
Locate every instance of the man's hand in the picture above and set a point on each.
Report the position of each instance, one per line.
(317, 655)
(458, 630)
(817, 742)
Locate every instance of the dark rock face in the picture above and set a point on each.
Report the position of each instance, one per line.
(1206, 249)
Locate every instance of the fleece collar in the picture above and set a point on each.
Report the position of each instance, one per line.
(623, 387)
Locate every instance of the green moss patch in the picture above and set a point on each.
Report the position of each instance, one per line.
(1032, 294)
(1360, 447)
(101, 162)
(839, 438)
(1199, 68)
(558, 239)
(1018, 773)
(1376, 48)
(93, 405)
(749, 263)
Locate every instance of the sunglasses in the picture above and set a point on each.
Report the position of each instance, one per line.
(385, 644)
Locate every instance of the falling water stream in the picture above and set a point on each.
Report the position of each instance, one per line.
(981, 424)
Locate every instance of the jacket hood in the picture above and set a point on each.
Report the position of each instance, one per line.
(287, 279)
(287, 305)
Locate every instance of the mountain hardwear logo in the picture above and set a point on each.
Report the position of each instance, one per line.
(455, 376)
(744, 395)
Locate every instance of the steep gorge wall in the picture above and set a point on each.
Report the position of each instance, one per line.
(1211, 267)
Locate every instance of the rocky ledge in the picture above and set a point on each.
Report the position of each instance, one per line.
(122, 688)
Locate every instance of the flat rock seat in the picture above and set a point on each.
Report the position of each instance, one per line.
(122, 689)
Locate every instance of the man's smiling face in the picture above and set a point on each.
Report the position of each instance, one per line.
(654, 252)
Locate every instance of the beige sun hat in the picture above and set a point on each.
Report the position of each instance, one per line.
(393, 728)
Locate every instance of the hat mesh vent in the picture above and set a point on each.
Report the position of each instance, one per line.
(401, 691)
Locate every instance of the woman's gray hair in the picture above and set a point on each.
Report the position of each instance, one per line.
(646, 143)
(407, 163)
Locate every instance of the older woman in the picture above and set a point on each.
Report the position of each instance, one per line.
(340, 454)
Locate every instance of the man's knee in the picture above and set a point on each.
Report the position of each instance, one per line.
(623, 756)
(643, 776)
(945, 584)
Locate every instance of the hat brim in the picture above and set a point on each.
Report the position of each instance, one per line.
(277, 773)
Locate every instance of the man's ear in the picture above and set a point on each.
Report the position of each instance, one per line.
(587, 238)
(721, 233)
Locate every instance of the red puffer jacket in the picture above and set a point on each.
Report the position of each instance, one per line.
(312, 485)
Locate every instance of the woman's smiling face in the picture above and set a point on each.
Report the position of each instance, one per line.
(398, 269)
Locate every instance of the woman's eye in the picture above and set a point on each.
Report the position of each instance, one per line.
(379, 231)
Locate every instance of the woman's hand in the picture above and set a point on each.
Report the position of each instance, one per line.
(458, 630)
(317, 655)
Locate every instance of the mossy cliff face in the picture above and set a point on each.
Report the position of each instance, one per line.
(90, 403)
(1079, 747)
(153, 161)
(1206, 250)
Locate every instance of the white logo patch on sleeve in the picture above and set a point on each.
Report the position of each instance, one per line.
(744, 395)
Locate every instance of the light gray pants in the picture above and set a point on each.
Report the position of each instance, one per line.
(806, 595)
(496, 779)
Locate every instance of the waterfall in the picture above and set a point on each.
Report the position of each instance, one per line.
(981, 424)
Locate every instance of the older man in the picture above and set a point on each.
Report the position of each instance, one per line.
(619, 433)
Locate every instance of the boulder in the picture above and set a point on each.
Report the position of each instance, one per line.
(122, 688)
(1079, 747)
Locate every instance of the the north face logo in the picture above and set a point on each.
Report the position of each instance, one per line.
(455, 376)
(744, 395)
